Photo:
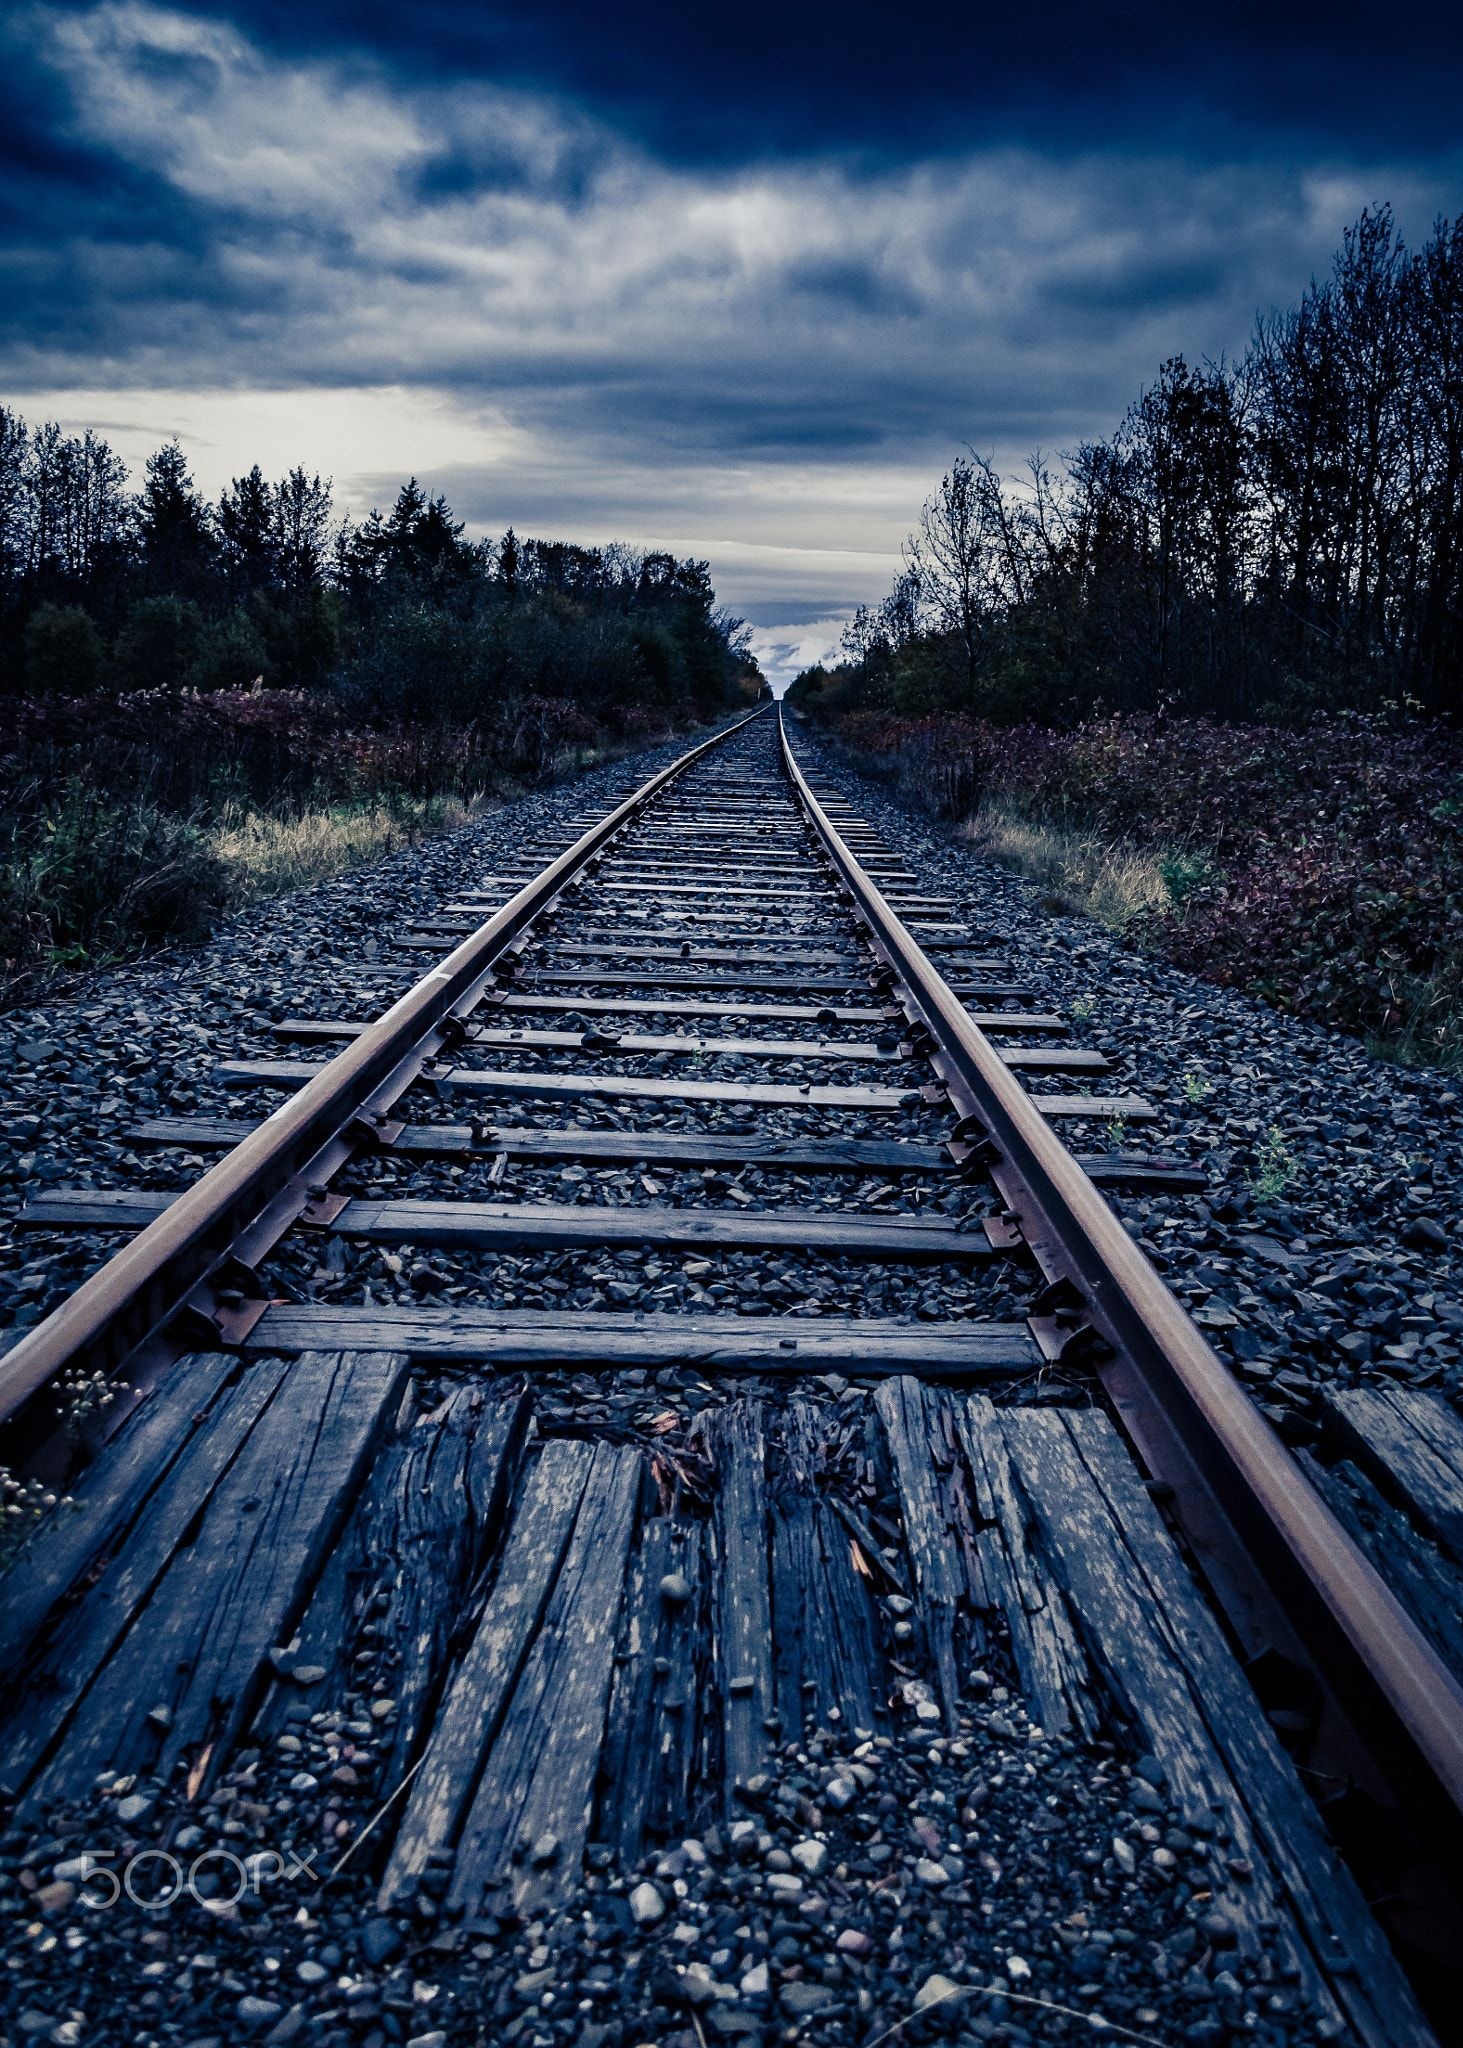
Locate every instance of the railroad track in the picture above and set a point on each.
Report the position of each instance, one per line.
(732, 1089)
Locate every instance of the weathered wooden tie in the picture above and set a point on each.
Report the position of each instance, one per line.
(500, 1226)
(654, 1146)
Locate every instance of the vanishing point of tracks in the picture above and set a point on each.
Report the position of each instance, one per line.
(723, 985)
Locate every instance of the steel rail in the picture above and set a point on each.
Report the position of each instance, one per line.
(239, 1208)
(1282, 1567)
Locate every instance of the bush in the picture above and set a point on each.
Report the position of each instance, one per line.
(129, 819)
(81, 877)
(64, 655)
(1320, 869)
(158, 643)
(231, 655)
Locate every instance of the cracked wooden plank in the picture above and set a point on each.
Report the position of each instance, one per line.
(551, 1086)
(630, 1045)
(109, 1496)
(149, 1532)
(184, 1678)
(683, 1148)
(1413, 1441)
(742, 1608)
(829, 1667)
(496, 1226)
(1160, 1651)
(522, 1842)
(909, 1419)
(1044, 1641)
(406, 1565)
(548, 1085)
(654, 1728)
(478, 1691)
(543, 974)
(583, 1337)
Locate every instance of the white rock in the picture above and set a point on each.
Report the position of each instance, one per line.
(700, 1986)
(785, 1884)
(1123, 1856)
(134, 1807)
(810, 1856)
(757, 1982)
(930, 1872)
(936, 1990)
(646, 1905)
(840, 1792)
(1018, 1969)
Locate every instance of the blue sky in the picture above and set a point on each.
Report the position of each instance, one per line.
(739, 285)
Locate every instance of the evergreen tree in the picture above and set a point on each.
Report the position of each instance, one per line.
(178, 543)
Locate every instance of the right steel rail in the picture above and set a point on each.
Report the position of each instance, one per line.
(1292, 1583)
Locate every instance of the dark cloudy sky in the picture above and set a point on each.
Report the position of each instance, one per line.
(736, 279)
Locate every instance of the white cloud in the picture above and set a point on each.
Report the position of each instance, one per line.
(195, 100)
(360, 437)
(784, 651)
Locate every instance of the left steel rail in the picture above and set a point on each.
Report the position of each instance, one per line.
(187, 1281)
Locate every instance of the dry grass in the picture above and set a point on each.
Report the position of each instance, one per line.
(1108, 879)
(268, 855)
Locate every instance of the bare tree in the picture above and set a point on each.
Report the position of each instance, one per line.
(965, 560)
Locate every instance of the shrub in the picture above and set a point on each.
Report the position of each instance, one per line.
(1321, 869)
(231, 654)
(158, 643)
(140, 817)
(81, 877)
(64, 655)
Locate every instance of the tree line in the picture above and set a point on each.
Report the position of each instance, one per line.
(1266, 538)
(107, 588)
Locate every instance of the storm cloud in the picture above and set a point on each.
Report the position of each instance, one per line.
(598, 298)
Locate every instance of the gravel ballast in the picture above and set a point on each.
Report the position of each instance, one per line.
(141, 1040)
(986, 1874)
(981, 1882)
